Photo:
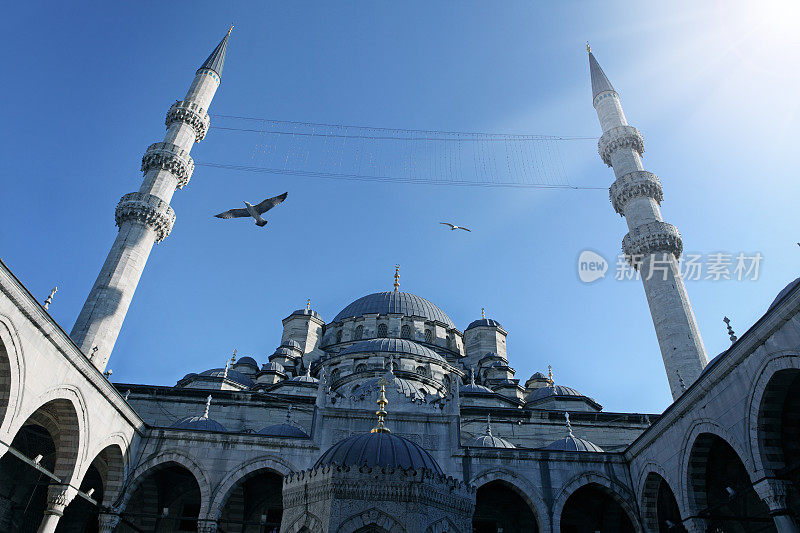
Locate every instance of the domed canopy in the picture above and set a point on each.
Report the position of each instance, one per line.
(284, 430)
(402, 303)
(574, 444)
(306, 312)
(232, 375)
(485, 322)
(398, 346)
(379, 449)
(554, 390)
(247, 361)
(198, 423)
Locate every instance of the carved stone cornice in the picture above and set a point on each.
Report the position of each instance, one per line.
(192, 114)
(147, 209)
(638, 183)
(651, 238)
(170, 157)
(619, 137)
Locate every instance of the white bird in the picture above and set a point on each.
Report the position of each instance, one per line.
(254, 211)
(454, 227)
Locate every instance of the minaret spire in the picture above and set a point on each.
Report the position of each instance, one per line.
(145, 217)
(651, 246)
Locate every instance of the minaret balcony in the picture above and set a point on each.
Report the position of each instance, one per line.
(636, 184)
(169, 157)
(146, 209)
(192, 114)
(650, 238)
(619, 137)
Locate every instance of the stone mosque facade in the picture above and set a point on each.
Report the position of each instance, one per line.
(388, 417)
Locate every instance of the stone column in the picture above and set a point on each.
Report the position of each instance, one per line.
(773, 492)
(107, 522)
(57, 500)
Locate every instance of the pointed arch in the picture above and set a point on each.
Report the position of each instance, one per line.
(618, 492)
(223, 490)
(523, 487)
(372, 517)
(12, 375)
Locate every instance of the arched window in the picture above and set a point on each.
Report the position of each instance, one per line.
(383, 330)
(361, 368)
(449, 342)
(428, 336)
(421, 371)
(339, 336)
(359, 332)
(405, 331)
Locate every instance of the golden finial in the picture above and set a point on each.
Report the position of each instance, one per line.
(230, 29)
(208, 406)
(397, 277)
(588, 48)
(381, 412)
(550, 375)
(233, 357)
(483, 312)
(49, 299)
(308, 304)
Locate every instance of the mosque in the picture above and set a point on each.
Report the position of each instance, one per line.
(388, 417)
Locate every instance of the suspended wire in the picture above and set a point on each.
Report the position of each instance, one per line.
(361, 153)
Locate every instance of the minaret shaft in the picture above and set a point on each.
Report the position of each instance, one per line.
(145, 217)
(652, 245)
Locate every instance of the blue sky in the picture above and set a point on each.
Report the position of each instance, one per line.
(713, 88)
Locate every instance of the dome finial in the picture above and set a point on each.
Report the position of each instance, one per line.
(489, 425)
(208, 406)
(308, 304)
(727, 323)
(49, 299)
(588, 48)
(230, 29)
(472, 375)
(225, 374)
(483, 312)
(550, 375)
(381, 412)
(391, 364)
(289, 414)
(569, 426)
(397, 277)
(233, 357)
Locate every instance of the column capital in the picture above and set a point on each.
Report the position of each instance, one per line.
(619, 137)
(108, 521)
(773, 492)
(147, 209)
(58, 497)
(192, 114)
(169, 157)
(636, 184)
(207, 525)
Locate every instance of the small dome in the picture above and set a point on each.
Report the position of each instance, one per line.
(199, 423)
(232, 375)
(539, 375)
(472, 388)
(379, 449)
(554, 390)
(289, 343)
(391, 346)
(571, 443)
(395, 302)
(484, 322)
(786, 290)
(305, 378)
(489, 441)
(249, 361)
(284, 430)
(273, 367)
(285, 351)
(306, 312)
(189, 375)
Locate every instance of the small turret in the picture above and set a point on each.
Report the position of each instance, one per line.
(484, 336)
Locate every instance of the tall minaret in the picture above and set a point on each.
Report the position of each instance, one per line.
(145, 217)
(651, 245)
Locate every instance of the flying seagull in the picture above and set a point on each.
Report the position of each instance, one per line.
(454, 227)
(254, 211)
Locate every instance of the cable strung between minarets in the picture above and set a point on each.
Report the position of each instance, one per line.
(651, 245)
(145, 217)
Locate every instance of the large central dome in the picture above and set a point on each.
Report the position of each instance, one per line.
(403, 303)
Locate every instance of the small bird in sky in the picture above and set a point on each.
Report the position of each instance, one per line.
(454, 227)
(255, 211)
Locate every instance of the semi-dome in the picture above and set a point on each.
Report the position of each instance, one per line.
(198, 423)
(571, 443)
(305, 378)
(484, 322)
(232, 375)
(399, 346)
(284, 430)
(380, 449)
(553, 390)
(403, 386)
(396, 302)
